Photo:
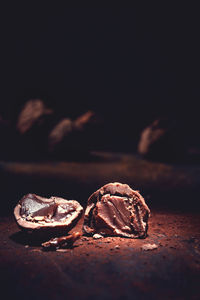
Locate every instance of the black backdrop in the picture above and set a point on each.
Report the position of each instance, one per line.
(131, 64)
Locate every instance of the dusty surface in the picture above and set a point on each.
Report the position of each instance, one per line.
(106, 268)
(110, 268)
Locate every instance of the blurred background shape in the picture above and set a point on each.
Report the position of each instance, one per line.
(93, 85)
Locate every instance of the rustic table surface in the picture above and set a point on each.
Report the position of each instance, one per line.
(106, 268)
(112, 267)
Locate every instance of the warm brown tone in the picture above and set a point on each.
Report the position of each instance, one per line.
(61, 242)
(33, 114)
(110, 268)
(53, 215)
(117, 210)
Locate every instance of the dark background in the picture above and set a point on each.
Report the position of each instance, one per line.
(129, 64)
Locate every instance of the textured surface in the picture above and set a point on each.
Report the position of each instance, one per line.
(108, 268)
(111, 268)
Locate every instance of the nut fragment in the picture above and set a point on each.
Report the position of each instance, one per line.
(61, 242)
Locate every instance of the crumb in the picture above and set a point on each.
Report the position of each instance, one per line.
(147, 247)
(97, 236)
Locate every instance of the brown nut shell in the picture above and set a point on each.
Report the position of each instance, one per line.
(53, 216)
